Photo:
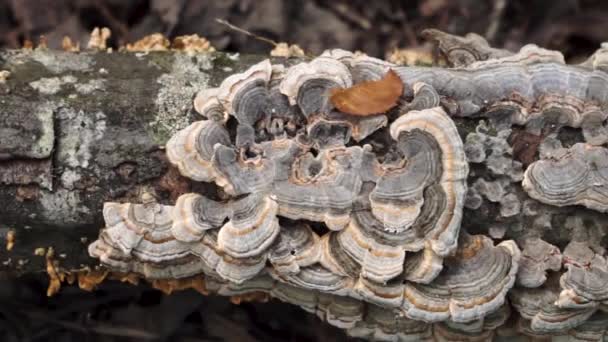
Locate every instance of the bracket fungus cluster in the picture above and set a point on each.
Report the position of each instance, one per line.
(343, 186)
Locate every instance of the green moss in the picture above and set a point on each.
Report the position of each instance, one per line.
(423, 64)
(187, 75)
(161, 59)
(27, 72)
(465, 126)
(222, 60)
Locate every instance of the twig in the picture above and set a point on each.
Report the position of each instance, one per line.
(243, 31)
(495, 19)
(343, 10)
(255, 36)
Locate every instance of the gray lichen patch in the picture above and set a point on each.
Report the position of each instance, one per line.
(69, 178)
(52, 85)
(44, 144)
(90, 86)
(26, 129)
(173, 102)
(55, 61)
(80, 132)
(62, 207)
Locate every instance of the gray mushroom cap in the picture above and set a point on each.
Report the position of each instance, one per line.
(241, 92)
(194, 215)
(138, 239)
(320, 188)
(251, 229)
(453, 169)
(585, 283)
(192, 149)
(537, 307)
(473, 283)
(580, 177)
(306, 84)
(208, 104)
(537, 258)
(297, 246)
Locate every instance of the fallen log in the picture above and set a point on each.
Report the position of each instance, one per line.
(80, 129)
(507, 218)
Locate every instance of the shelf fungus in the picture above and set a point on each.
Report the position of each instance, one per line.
(463, 51)
(480, 330)
(538, 257)
(252, 227)
(473, 283)
(339, 184)
(295, 248)
(580, 177)
(585, 283)
(540, 316)
(192, 149)
(137, 238)
(434, 154)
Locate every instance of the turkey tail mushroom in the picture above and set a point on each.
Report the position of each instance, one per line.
(580, 177)
(339, 185)
(138, 239)
(192, 149)
(474, 282)
(431, 143)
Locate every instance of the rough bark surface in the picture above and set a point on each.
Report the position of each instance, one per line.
(77, 130)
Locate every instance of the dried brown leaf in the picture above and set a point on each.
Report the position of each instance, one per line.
(369, 97)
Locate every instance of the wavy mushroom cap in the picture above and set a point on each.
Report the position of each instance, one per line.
(194, 215)
(138, 239)
(432, 140)
(208, 104)
(297, 246)
(307, 84)
(474, 282)
(580, 177)
(540, 314)
(320, 188)
(192, 149)
(537, 258)
(251, 229)
(585, 283)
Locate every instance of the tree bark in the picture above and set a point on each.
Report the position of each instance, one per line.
(80, 129)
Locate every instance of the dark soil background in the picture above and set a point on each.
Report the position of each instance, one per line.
(575, 27)
(117, 312)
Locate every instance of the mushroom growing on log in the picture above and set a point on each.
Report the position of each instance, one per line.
(240, 176)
